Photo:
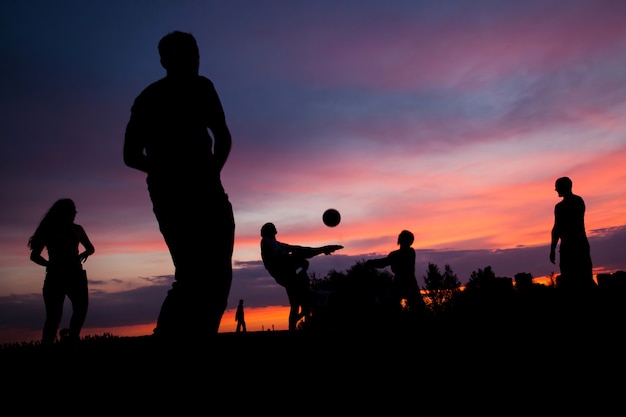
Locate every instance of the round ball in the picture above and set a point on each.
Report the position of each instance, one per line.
(331, 217)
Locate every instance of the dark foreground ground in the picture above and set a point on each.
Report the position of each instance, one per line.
(439, 370)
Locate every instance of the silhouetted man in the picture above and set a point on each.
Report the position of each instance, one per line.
(169, 138)
(288, 265)
(240, 318)
(404, 285)
(569, 228)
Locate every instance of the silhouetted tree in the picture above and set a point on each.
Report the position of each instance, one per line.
(440, 288)
(523, 281)
(356, 297)
(615, 280)
(610, 295)
(332, 281)
(480, 279)
(535, 303)
(487, 299)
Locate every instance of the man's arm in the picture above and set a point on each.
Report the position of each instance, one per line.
(223, 144)
(35, 255)
(84, 240)
(221, 133)
(134, 156)
(555, 237)
(379, 262)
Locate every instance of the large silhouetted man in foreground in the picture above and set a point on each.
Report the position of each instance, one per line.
(177, 134)
(569, 229)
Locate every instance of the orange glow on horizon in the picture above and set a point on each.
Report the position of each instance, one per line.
(257, 319)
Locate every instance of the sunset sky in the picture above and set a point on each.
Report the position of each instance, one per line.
(451, 119)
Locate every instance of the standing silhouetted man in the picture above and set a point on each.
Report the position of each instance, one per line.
(569, 228)
(177, 134)
(240, 318)
(404, 284)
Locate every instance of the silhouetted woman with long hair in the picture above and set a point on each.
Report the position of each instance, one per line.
(65, 275)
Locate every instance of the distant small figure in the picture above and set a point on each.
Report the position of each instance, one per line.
(65, 275)
(239, 318)
(288, 265)
(569, 228)
(404, 284)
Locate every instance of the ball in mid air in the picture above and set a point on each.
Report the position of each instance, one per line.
(331, 217)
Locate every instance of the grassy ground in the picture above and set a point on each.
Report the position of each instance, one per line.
(436, 370)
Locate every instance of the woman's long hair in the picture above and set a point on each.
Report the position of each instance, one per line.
(61, 213)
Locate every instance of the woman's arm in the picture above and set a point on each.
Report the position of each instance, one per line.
(35, 255)
(84, 240)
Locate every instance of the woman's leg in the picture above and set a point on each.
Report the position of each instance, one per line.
(53, 298)
(79, 296)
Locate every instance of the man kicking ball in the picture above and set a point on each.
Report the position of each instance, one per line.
(288, 265)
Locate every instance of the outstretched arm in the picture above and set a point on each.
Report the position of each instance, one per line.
(378, 263)
(308, 252)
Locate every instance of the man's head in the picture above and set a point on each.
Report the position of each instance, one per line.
(179, 53)
(563, 186)
(405, 238)
(268, 230)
